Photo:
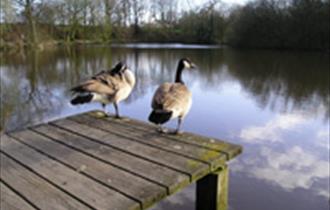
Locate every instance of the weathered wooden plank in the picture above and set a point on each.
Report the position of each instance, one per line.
(9, 200)
(149, 137)
(164, 176)
(232, 150)
(141, 190)
(38, 191)
(189, 166)
(95, 194)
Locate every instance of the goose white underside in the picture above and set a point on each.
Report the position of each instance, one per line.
(102, 98)
(181, 111)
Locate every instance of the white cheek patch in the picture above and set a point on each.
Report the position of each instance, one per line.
(123, 68)
(186, 64)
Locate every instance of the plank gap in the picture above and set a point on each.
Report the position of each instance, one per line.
(170, 137)
(133, 139)
(45, 179)
(18, 193)
(125, 151)
(75, 170)
(100, 159)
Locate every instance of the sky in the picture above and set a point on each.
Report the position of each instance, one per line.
(191, 4)
(201, 2)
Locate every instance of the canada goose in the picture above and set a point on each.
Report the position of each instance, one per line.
(110, 86)
(172, 100)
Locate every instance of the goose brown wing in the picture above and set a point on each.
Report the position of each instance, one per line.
(170, 96)
(160, 95)
(115, 82)
(94, 86)
(102, 83)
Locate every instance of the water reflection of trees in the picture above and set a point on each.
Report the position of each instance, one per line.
(284, 81)
(35, 85)
(24, 91)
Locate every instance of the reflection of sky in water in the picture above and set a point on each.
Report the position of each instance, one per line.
(289, 151)
(280, 117)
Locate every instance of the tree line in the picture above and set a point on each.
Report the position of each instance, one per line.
(281, 24)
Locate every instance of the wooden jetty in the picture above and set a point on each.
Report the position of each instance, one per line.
(92, 162)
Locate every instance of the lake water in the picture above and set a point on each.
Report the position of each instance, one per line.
(275, 104)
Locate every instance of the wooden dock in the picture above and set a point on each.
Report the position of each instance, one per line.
(91, 162)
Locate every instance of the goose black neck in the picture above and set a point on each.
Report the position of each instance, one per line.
(178, 76)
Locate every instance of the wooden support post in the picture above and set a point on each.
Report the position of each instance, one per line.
(212, 191)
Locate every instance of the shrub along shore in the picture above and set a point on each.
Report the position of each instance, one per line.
(272, 24)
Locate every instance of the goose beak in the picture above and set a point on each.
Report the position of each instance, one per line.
(193, 66)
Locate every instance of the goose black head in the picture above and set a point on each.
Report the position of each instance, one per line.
(184, 63)
(187, 63)
(119, 68)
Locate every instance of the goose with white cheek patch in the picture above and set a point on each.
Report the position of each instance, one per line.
(172, 100)
(111, 86)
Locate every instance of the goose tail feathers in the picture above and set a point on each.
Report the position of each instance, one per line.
(78, 89)
(81, 99)
(160, 117)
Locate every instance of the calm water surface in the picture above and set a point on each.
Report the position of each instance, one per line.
(275, 104)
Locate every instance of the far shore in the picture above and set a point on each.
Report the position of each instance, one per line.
(11, 47)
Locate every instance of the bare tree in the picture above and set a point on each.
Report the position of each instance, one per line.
(124, 9)
(7, 10)
(108, 10)
(28, 15)
(74, 9)
(138, 10)
(167, 10)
